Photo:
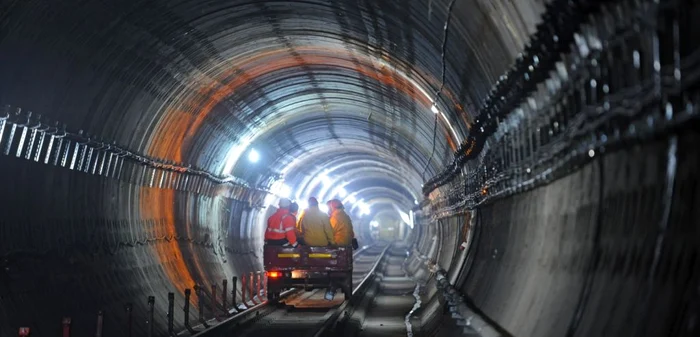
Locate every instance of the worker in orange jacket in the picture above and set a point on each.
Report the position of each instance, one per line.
(343, 233)
(280, 226)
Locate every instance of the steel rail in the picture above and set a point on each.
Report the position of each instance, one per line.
(357, 294)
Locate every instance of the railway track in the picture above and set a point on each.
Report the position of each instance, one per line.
(303, 314)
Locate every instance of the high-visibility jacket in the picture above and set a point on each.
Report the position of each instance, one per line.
(342, 228)
(314, 227)
(281, 225)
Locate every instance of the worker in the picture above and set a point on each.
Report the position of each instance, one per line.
(314, 227)
(343, 234)
(280, 226)
(293, 210)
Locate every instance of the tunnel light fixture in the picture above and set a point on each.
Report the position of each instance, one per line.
(407, 218)
(404, 217)
(374, 223)
(364, 208)
(342, 192)
(434, 109)
(253, 156)
(351, 199)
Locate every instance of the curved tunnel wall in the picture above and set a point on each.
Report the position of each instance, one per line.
(586, 206)
(184, 83)
(187, 82)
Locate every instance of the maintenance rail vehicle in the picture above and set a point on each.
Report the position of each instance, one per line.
(307, 268)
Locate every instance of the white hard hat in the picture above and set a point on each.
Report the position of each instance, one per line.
(284, 203)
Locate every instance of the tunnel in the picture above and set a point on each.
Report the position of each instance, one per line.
(539, 156)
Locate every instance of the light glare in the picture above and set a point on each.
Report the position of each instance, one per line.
(323, 208)
(364, 208)
(281, 189)
(303, 204)
(407, 218)
(285, 191)
(253, 156)
(325, 179)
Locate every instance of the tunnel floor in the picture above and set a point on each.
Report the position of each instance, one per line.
(386, 314)
(378, 311)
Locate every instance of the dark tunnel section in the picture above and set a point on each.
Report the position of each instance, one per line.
(541, 154)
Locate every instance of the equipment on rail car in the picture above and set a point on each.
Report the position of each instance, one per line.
(307, 268)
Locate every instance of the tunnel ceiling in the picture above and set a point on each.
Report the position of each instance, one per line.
(312, 85)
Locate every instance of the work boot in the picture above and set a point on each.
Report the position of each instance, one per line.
(330, 294)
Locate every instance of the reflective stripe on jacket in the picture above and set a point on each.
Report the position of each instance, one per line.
(342, 228)
(281, 226)
(314, 227)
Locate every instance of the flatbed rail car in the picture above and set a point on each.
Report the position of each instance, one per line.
(308, 268)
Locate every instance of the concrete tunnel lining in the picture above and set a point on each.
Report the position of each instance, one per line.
(186, 82)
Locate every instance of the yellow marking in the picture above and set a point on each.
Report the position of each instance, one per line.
(289, 255)
(320, 255)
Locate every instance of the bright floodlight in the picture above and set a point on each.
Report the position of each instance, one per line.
(351, 199)
(342, 192)
(434, 109)
(253, 156)
(374, 223)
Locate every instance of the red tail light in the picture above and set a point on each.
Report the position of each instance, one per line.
(274, 274)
